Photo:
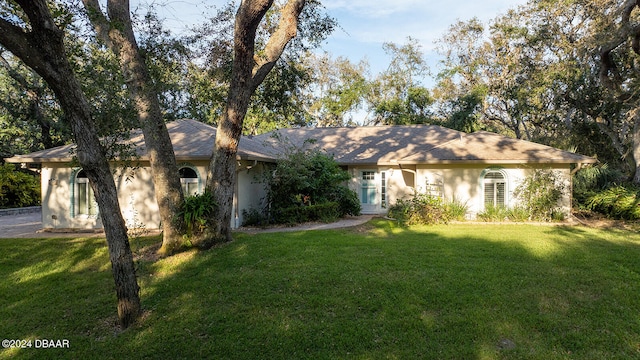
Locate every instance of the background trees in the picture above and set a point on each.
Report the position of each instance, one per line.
(535, 73)
(396, 96)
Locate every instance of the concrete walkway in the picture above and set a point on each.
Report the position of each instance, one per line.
(342, 223)
(29, 225)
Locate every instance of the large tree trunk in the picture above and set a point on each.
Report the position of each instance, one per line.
(42, 48)
(610, 76)
(635, 147)
(117, 32)
(248, 73)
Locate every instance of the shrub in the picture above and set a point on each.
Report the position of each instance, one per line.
(619, 202)
(518, 213)
(347, 199)
(539, 194)
(304, 179)
(195, 211)
(254, 217)
(423, 209)
(325, 212)
(456, 209)
(494, 213)
(17, 188)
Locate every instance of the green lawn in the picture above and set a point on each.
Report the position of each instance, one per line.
(376, 292)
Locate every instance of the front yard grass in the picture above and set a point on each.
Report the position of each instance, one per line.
(375, 292)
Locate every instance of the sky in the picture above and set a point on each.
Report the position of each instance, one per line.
(365, 25)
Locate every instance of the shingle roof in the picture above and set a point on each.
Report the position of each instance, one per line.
(487, 148)
(365, 145)
(192, 140)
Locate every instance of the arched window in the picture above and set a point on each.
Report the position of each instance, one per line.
(84, 199)
(495, 188)
(189, 180)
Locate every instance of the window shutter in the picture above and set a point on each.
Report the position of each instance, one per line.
(495, 189)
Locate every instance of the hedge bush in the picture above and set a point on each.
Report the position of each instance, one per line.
(539, 195)
(325, 212)
(426, 209)
(590, 181)
(17, 188)
(195, 212)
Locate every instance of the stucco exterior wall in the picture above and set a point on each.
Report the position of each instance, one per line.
(250, 193)
(56, 200)
(464, 183)
(139, 207)
(136, 195)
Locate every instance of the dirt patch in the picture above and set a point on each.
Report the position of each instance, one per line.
(147, 253)
(599, 221)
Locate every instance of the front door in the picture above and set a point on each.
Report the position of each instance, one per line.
(369, 197)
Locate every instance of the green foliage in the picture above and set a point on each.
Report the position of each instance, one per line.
(254, 217)
(277, 102)
(493, 213)
(307, 177)
(426, 209)
(603, 190)
(17, 188)
(619, 202)
(396, 96)
(325, 212)
(464, 110)
(589, 181)
(457, 209)
(195, 211)
(539, 194)
(347, 199)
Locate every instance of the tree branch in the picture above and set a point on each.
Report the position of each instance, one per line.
(14, 39)
(13, 73)
(98, 20)
(25, 45)
(608, 74)
(287, 30)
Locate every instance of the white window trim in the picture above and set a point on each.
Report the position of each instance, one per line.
(75, 200)
(482, 182)
(197, 180)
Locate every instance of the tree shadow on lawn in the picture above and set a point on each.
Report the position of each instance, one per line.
(60, 289)
(420, 292)
(399, 293)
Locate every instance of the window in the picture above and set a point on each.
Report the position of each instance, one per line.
(85, 201)
(189, 181)
(383, 189)
(495, 186)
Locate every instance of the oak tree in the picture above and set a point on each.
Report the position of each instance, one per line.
(250, 67)
(31, 33)
(116, 30)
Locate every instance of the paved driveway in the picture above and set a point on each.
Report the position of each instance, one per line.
(29, 225)
(21, 225)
